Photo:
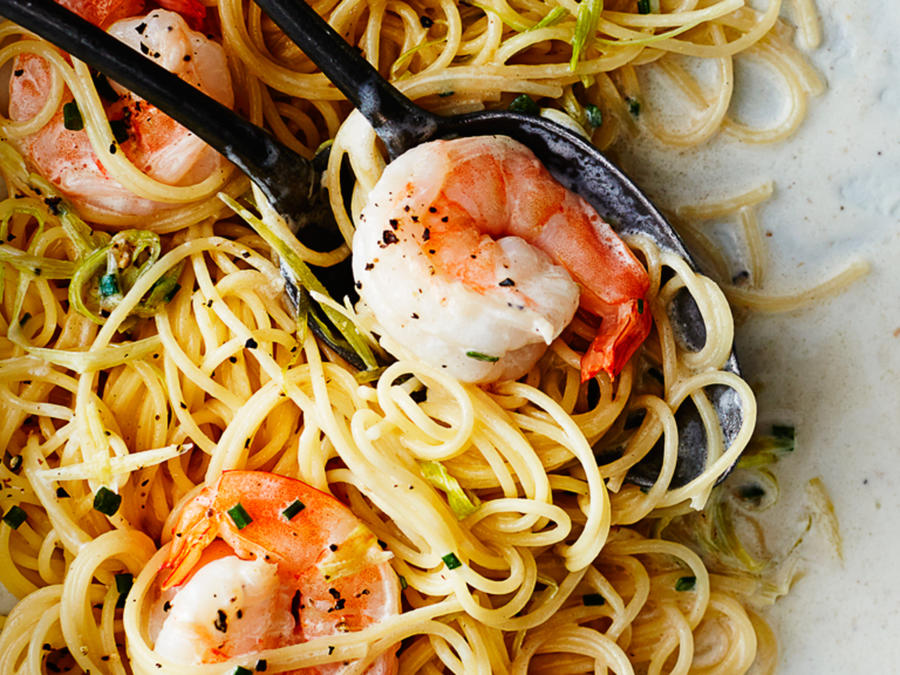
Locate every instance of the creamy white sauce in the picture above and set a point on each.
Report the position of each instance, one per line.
(834, 370)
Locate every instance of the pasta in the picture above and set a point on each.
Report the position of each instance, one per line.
(561, 564)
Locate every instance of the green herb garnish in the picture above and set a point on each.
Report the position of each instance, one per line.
(451, 561)
(124, 583)
(72, 117)
(106, 501)
(524, 104)
(240, 516)
(293, 509)
(15, 517)
(686, 584)
(593, 599)
(594, 115)
(478, 356)
(643, 6)
(783, 432)
(634, 106)
(108, 285)
(240, 670)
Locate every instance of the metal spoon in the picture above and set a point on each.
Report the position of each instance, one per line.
(291, 183)
(572, 160)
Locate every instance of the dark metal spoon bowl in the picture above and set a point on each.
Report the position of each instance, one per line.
(290, 182)
(573, 161)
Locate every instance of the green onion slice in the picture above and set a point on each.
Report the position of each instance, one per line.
(686, 584)
(240, 516)
(451, 561)
(293, 509)
(106, 501)
(15, 517)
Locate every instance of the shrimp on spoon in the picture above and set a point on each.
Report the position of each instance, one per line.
(475, 258)
(259, 560)
(157, 145)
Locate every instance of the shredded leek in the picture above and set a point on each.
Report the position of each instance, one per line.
(39, 266)
(585, 28)
(306, 281)
(752, 487)
(552, 17)
(459, 502)
(106, 274)
(357, 552)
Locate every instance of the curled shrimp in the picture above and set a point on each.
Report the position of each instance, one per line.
(260, 560)
(152, 141)
(472, 256)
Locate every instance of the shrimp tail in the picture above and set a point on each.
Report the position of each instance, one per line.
(195, 529)
(622, 330)
(193, 11)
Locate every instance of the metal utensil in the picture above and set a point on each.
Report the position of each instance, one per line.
(290, 182)
(572, 160)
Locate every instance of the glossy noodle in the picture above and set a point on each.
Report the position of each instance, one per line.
(505, 510)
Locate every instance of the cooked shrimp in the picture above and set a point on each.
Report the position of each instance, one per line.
(471, 255)
(259, 561)
(153, 142)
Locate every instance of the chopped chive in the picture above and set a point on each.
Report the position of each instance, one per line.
(640, 305)
(106, 501)
(293, 509)
(261, 665)
(634, 106)
(451, 561)
(523, 103)
(594, 115)
(686, 584)
(109, 285)
(445, 94)
(240, 670)
(61, 493)
(751, 492)
(593, 599)
(24, 319)
(403, 583)
(783, 431)
(478, 356)
(72, 117)
(15, 517)
(643, 6)
(240, 516)
(123, 585)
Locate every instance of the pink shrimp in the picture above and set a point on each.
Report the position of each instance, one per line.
(472, 256)
(153, 142)
(259, 561)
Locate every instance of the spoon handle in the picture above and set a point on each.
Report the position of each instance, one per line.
(282, 174)
(399, 122)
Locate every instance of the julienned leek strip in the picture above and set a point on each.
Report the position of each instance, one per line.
(134, 461)
(306, 278)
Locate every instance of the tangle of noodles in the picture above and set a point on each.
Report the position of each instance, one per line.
(561, 571)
